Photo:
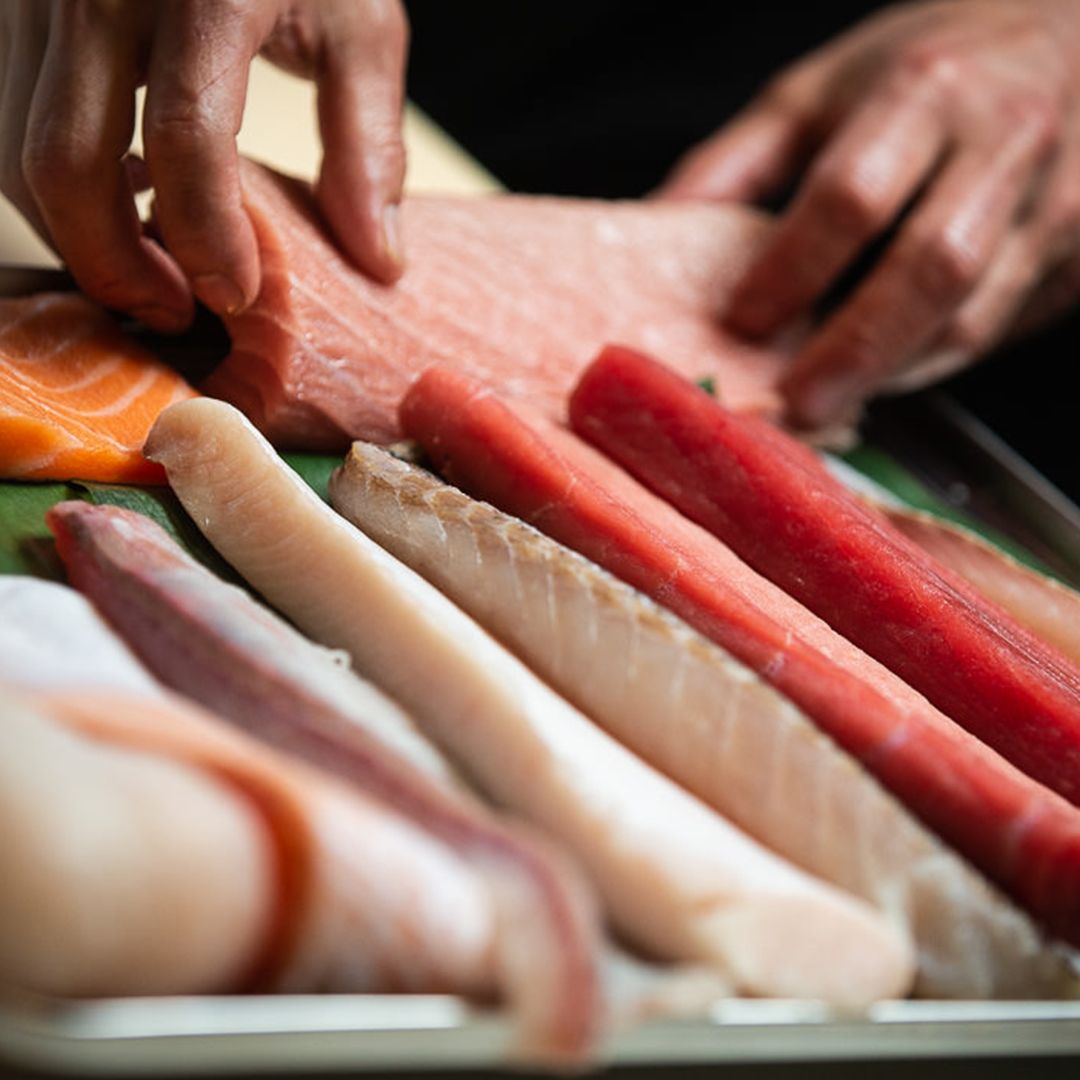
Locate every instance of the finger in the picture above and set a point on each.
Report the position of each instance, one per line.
(79, 128)
(939, 257)
(981, 321)
(854, 191)
(23, 52)
(1056, 238)
(749, 159)
(360, 104)
(196, 88)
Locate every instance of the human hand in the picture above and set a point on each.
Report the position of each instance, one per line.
(67, 110)
(956, 124)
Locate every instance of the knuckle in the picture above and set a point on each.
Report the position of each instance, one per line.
(930, 62)
(1037, 120)
(856, 350)
(181, 126)
(51, 163)
(848, 204)
(944, 268)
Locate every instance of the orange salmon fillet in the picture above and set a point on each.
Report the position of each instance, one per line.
(77, 396)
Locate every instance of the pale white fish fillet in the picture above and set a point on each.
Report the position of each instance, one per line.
(128, 820)
(677, 879)
(51, 638)
(688, 707)
(96, 862)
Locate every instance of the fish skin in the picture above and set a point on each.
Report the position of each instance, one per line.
(666, 883)
(324, 354)
(213, 642)
(77, 395)
(1022, 836)
(1045, 606)
(754, 757)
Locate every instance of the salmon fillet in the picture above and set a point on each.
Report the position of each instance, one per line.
(1021, 835)
(688, 707)
(77, 396)
(675, 878)
(519, 291)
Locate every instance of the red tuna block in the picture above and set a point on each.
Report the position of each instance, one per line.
(776, 506)
(516, 290)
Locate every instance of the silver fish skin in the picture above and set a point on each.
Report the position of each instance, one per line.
(676, 878)
(691, 709)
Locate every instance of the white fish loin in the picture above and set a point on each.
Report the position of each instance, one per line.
(96, 860)
(51, 638)
(688, 707)
(676, 878)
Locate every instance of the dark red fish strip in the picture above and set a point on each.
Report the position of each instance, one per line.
(776, 506)
(1021, 835)
(203, 638)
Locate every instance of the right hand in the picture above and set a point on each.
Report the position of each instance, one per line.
(67, 106)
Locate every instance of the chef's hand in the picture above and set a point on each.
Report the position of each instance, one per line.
(955, 123)
(70, 69)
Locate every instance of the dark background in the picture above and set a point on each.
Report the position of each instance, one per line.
(600, 97)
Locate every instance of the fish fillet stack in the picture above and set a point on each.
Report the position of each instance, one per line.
(522, 729)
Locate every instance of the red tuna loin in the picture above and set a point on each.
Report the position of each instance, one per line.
(1021, 835)
(516, 290)
(778, 508)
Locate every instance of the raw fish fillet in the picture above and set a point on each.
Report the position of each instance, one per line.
(1046, 607)
(676, 878)
(213, 642)
(686, 706)
(1024, 837)
(271, 877)
(77, 396)
(771, 500)
(519, 291)
(51, 638)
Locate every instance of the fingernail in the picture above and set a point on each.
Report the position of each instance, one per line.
(219, 293)
(168, 320)
(392, 233)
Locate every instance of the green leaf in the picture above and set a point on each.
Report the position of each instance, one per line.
(25, 541)
(315, 470)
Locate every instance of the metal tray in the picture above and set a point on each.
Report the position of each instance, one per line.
(382, 1035)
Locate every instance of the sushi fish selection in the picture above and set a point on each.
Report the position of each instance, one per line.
(618, 705)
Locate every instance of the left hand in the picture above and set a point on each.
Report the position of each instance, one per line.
(956, 123)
